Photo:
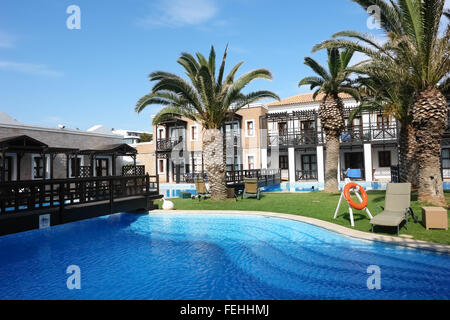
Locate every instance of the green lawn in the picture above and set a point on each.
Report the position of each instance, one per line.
(321, 206)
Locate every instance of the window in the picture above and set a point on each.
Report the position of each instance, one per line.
(382, 121)
(309, 163)
(194, 133)
(102, 167)
(250, 128)
(161, 166)
(282, 128)
(384, 159)
(445, 158)
(38, 168)
(308, 124)
(75, 164)
(284, 162)
(161, 134)
(251, 162)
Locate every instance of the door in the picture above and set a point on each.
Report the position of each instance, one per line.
(309, 167)
(7, 170)
(307, 131)
(102, 167)
(284, 167)
(354, 160)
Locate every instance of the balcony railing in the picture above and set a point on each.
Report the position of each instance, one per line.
(304, 175)
(289, 138)
(167, 144)
(314, 137)
(369, 135)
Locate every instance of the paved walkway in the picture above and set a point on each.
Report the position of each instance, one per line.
(411, 243)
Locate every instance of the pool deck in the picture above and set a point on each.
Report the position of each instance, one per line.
(405, 242)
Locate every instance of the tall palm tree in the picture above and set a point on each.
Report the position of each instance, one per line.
(331, 83)
(208, 97)
(414, 41)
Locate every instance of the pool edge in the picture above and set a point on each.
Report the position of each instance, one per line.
(392, 240)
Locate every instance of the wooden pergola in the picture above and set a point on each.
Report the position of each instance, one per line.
(113, 150)
(21, 145)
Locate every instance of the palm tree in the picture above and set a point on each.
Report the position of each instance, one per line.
(331, 83)
(414, 42)
(208, 97)
(385, 87)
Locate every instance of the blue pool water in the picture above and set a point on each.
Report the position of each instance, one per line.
(130, 256)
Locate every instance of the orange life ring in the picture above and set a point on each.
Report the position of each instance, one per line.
(365, 199)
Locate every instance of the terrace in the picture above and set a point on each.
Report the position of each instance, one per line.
(87, 191)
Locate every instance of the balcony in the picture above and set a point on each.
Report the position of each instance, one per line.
(295, 138)
(350, 136)
(167, 145)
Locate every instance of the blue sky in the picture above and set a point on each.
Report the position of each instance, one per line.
(51, 75)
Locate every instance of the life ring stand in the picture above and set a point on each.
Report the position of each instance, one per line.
(354, 205)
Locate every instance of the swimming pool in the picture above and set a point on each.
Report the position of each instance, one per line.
(177, 256)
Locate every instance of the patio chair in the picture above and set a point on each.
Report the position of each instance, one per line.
(251, 188)
(397, 207)
(201, 189)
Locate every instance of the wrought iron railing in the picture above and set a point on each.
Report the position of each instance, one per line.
(167, 144)
(302, 175)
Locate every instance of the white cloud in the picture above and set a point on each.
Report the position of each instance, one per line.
(30, 68)
(178, 13)
(6, 40)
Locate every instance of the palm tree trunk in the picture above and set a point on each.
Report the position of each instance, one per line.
(430, 112)
(408, 167)
(331, 164)
(214, 163)
(332, 122)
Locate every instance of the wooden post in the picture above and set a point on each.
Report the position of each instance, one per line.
(114, 169)
(67, 166)
(61, 202)
(2, 179)
(111, 195)
(44, 169)
(18, 167)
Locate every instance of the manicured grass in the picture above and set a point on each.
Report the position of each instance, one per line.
(321, 206)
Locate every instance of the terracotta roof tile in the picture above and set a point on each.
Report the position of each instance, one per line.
(303, 98)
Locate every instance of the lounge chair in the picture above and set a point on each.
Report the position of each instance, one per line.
(251, 188)
(200, 186)
(397, 207)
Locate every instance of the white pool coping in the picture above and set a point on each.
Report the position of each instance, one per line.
(392, 240)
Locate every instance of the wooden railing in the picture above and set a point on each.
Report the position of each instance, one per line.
(265, 176)
(21, 196)
(131, 170)
(314, 137)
